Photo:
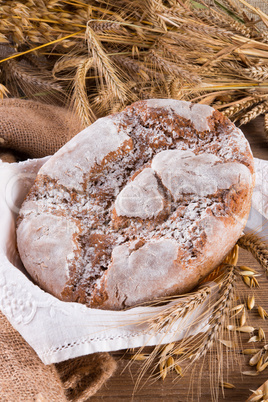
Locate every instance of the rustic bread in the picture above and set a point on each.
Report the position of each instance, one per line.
(141, 204)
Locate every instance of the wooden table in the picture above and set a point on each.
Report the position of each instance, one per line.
(120, 387)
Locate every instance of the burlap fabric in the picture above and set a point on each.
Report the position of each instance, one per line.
(34, 128)
(23, 377)
(38, 130)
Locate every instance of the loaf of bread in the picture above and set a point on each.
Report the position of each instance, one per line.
(140, 205)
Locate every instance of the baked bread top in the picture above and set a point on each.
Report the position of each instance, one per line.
(142, 204)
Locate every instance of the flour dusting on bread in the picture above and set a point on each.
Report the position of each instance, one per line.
(142, 204)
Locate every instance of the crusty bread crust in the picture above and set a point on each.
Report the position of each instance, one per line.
(142, 204)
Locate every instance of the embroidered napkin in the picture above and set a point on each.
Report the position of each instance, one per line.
(57, 330)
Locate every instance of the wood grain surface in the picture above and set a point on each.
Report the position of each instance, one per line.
(195, 385)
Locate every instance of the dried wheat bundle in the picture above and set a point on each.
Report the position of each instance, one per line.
(104, 55)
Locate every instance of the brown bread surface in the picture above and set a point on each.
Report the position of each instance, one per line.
(141, 204)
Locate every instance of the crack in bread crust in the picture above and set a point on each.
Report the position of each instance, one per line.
(176, 218)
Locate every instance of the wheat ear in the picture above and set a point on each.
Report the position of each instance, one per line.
(104, 66)
(27, 78)
(258, 73)
(67, 63)
(171, 314)
(240, 106)
(170, 68)
(80, 99)
(253, 113)
(221, 310)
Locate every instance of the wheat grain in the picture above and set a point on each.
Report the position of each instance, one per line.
(254, 338)
(139, 357)
(178, 369)
(170, 362)
(228, 344)
(237, 309)
(262, 367)
(167, 349)
(247, 281)
(250, 373)
(226, 385)
(261, 334)
(247, 273)
(247, 269)
(254, 282)
(258, 396)
(250, 351)
(243, 319)
(247, 329)
(250, 302)
(255, 359)
(163, 372)
(262, 313)
(259, 363)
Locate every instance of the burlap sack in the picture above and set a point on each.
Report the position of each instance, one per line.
(23, 377)
(34, 128)
(38, 130)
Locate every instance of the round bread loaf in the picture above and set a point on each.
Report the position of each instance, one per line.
(142, 204)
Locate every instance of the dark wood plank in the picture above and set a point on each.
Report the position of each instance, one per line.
(254, 132)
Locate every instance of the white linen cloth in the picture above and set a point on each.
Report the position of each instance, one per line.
(58, 330)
